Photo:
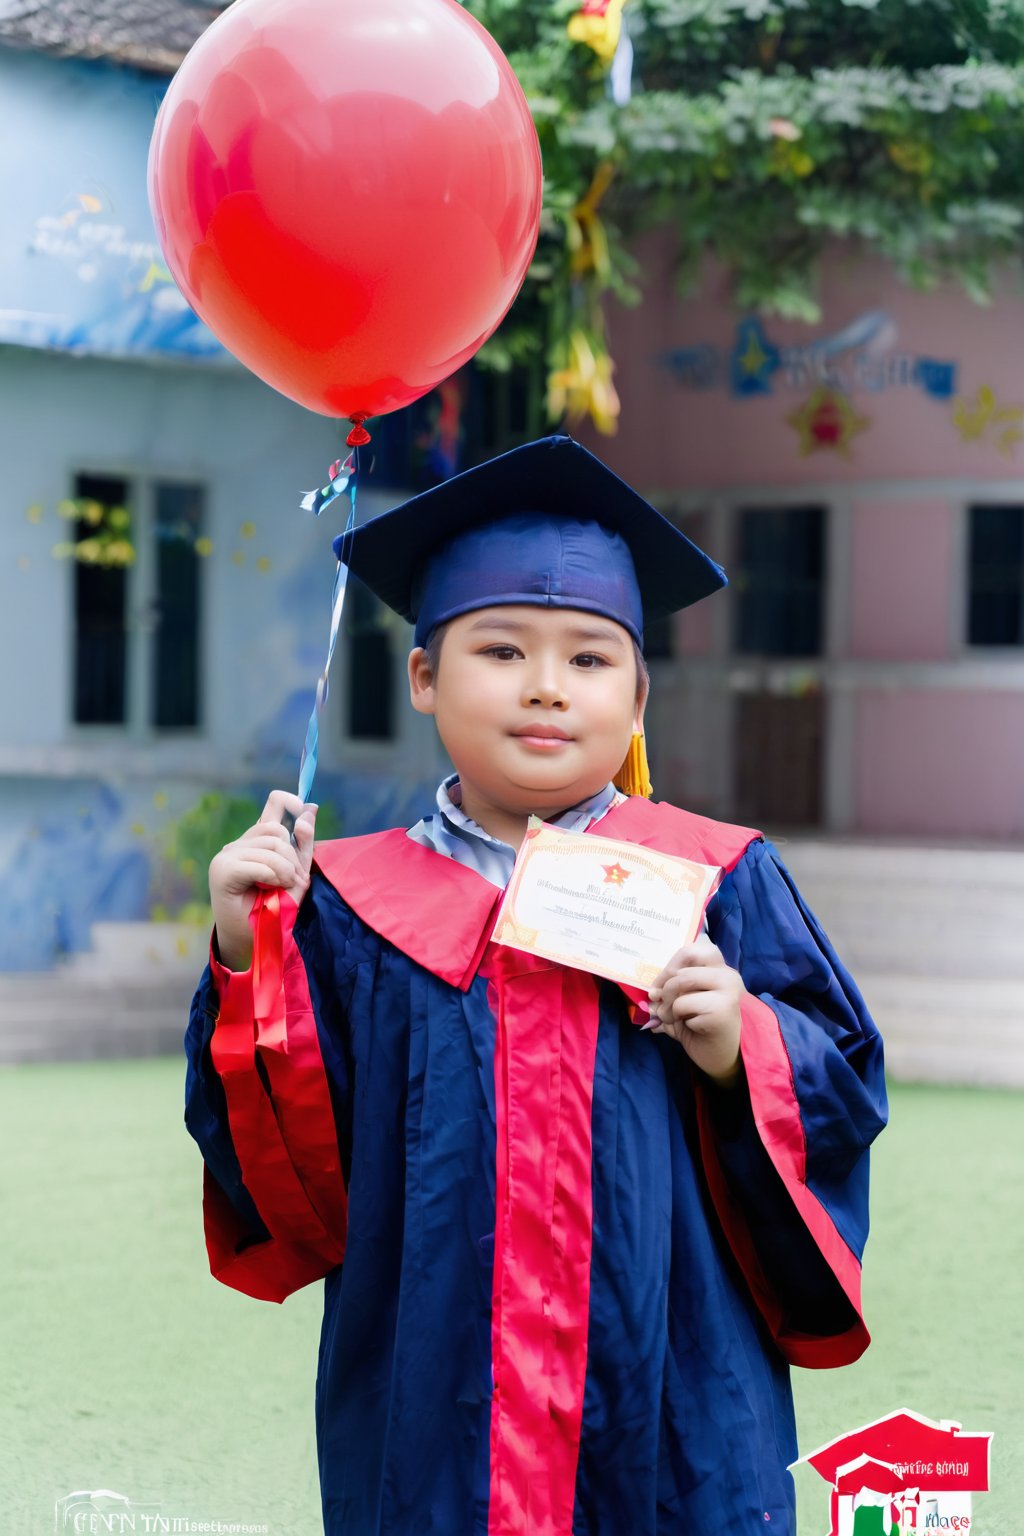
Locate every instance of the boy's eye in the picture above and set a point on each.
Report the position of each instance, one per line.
(502, 652)
(588, 661)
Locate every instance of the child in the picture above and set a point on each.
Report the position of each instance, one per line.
(579, 1254)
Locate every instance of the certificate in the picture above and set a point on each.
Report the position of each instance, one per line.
(616, 909)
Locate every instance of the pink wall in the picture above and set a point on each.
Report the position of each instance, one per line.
(900, 579)
(693, 630)
(941, 763)
(925, 761)
(673, 436)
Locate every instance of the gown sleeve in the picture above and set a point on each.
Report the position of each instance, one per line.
(786, 1153)
(266, 1099)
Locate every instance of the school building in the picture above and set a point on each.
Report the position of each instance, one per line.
(858, 689)
(166, 602)
(862, 481)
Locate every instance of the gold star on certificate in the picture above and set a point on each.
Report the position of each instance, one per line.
(614, 874)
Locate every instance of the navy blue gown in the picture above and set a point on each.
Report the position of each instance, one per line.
(564, 1276)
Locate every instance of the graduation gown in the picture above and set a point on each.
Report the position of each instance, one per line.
(564, 1274)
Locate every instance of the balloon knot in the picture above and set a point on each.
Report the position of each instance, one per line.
(358, 437)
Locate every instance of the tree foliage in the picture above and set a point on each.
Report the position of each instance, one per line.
(760, 130)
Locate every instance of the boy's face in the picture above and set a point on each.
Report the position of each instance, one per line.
(535, 706)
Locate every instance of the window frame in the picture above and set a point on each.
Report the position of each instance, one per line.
(964, 646)
(137, 728)
(757, 504)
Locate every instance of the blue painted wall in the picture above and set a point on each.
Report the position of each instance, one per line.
(80, 267)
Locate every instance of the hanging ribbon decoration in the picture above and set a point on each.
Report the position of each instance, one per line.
(580, 376)
(341, 482)
(581, 383)
(598, 23)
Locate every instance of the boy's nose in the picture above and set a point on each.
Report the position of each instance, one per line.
(546, 692)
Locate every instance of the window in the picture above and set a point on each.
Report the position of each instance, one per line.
(137, 621)
(780, 581)
(371, 674)
(178, 516)
(101, 601)
(995, 608)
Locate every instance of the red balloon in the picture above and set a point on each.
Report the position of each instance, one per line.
(348, 192)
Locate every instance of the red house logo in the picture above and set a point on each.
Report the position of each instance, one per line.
(903, 1473)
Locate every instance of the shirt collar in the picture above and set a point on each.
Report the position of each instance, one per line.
(576, 819)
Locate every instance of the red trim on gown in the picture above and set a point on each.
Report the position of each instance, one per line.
(287, 1146)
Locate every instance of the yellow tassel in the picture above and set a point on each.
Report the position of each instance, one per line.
(634, 777)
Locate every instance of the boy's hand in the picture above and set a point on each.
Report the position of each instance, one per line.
(263, 856)
(696, 1000)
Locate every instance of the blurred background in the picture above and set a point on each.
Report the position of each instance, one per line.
(778, 289)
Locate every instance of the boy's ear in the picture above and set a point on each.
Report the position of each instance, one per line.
(641, 705)
(421, 682)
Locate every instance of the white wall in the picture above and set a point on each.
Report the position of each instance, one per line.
(264, 631)
(256, 453)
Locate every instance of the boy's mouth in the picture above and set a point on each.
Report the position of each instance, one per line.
(542, 735)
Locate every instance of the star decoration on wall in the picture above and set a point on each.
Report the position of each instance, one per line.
(986, 419)
(753, 360)
(827, 420)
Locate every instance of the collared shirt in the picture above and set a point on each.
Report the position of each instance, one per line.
(450, 831)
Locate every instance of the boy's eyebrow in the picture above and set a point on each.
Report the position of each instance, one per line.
(607, 636)
(600, 632)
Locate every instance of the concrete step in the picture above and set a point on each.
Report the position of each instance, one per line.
(64, 1016)
(949, 1030)
(110, 1039)
(953, 913)
(29, 995)
(900, 862)
(68, 979)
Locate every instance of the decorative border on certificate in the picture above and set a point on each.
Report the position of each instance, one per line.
(616, 909)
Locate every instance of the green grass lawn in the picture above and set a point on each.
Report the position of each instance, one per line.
(126, 1367)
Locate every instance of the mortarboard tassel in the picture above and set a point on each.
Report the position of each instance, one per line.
(634, 777)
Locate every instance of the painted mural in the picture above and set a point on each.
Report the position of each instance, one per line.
(988, 419)
(861, 356)
(85, 851)
(80, 268)
(72, 863)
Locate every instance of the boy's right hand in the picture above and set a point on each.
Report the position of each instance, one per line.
(262, 856)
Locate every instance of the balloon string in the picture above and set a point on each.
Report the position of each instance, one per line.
(342, 482)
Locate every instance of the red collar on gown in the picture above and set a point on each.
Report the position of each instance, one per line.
(439, 912)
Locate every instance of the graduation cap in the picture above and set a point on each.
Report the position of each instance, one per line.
(547, 524)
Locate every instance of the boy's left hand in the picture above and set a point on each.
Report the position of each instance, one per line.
(696, 1000)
